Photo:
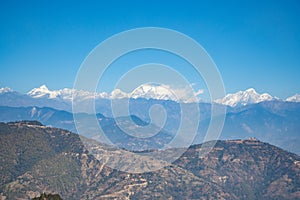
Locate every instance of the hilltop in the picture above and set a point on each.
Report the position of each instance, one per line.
(35, 159)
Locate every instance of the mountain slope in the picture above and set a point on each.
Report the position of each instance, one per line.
(54, 161)
(11, 98)
(41, 157)
(110, 126)
(249, 169)
(276, 122)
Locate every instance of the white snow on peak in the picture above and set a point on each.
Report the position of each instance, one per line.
(5, 90)
(65, 94)
(117, 94)
(151, 91)
(251, 90)
(147, 91)
(243, 98)
(42, 92)
(44, 87)
(166, 92)
(295, 98)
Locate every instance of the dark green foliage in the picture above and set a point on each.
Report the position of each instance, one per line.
(45, 196)
(39, 154)
(27, 122)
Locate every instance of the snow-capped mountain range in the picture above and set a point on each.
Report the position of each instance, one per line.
(152, 91)
(146, 91)
(295, 98)
(65, 94)
(5, 89)
(246, 97)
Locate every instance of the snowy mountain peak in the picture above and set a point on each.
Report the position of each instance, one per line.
(118, 94)
(42, 92)
(44, 87)
(295, 98)
(250, 90)
(243, 98)
(5, 90)
(153, 91)
(147, 91)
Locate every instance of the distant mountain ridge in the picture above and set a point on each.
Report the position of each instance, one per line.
(274, 122)
(148, 91)
(65, 120)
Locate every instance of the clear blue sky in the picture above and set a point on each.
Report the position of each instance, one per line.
(254, 43)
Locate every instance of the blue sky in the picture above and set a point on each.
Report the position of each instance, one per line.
(253, 43)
